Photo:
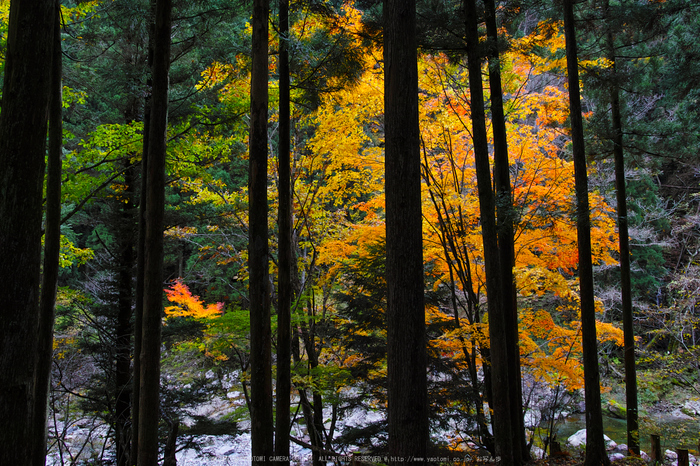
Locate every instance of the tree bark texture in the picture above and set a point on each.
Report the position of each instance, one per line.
(506, 238)
(127, 224)
(122, 396)
(262, 426)
(406, 338)
(140, 250)
(149, 394)
(595, 445)
(284, 278)
(52, 239)
(502, 420)
(625, 273)
(23, 122)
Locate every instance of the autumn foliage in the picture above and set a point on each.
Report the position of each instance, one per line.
(187, 305)
(339, 215)
(338, 239)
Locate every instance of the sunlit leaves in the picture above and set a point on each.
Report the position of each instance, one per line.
(99, 160)
(70, 255)
(232, 82)
(187, 305)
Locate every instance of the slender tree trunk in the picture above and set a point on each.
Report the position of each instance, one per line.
(506, 237)
(406, 338)
(170, 450)
(595, 445)
(141, 249)
(25, 100)
(318, 423)
(447, 239)
(52, 240)
(125, 227)
(149, 395)
(284, 326)
(138, 295)
(625, 278)
(503, 430)
(262, 426)
(122, 404)
(625, 281)
(313, 411)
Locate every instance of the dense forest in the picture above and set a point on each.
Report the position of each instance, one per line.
(426, 231)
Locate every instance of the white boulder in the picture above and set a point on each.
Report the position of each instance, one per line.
(579, 439)
(692, 407)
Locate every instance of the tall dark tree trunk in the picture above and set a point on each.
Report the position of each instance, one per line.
(122, 404)
(284, 309)
(506, 239)
(595, 445)
(406, 339)
(262, 426)
(52, 238)
(625, 275)
(313, 411)
(498, 335)
(25, 101)
(138, 295)
(140, 250)
(149, 395)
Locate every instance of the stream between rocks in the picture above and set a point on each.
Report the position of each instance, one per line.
(675, 432)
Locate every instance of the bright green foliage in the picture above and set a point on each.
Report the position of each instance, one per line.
(99, 162)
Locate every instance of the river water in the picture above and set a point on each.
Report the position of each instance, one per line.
(674, 432)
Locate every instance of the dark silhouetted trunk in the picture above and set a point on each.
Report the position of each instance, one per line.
(170, 450)
(140, 252)
(149, 394)
(502, 421)
(313, 411)
(122, 403)
(52, 239)
(625, 275)
(506, 239)
(595, 445)
(262, 426)
(406, 351)
(284, 307)
(25, 102)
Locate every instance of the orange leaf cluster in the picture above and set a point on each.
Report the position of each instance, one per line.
(188, 305)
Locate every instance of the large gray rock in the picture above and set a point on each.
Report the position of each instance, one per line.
(579, 439)
(537, 452)
(678, 414)
(692, 407)
(616, 409)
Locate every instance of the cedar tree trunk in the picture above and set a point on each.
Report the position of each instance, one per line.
(140, 250)
(149, 393)
(595, 445)
(52, 238)
(625, 276)
(506, 239)
(284, 309)
(406, 338)
(262, 426)
(502, 420)
(25, 101)
(122, 403)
